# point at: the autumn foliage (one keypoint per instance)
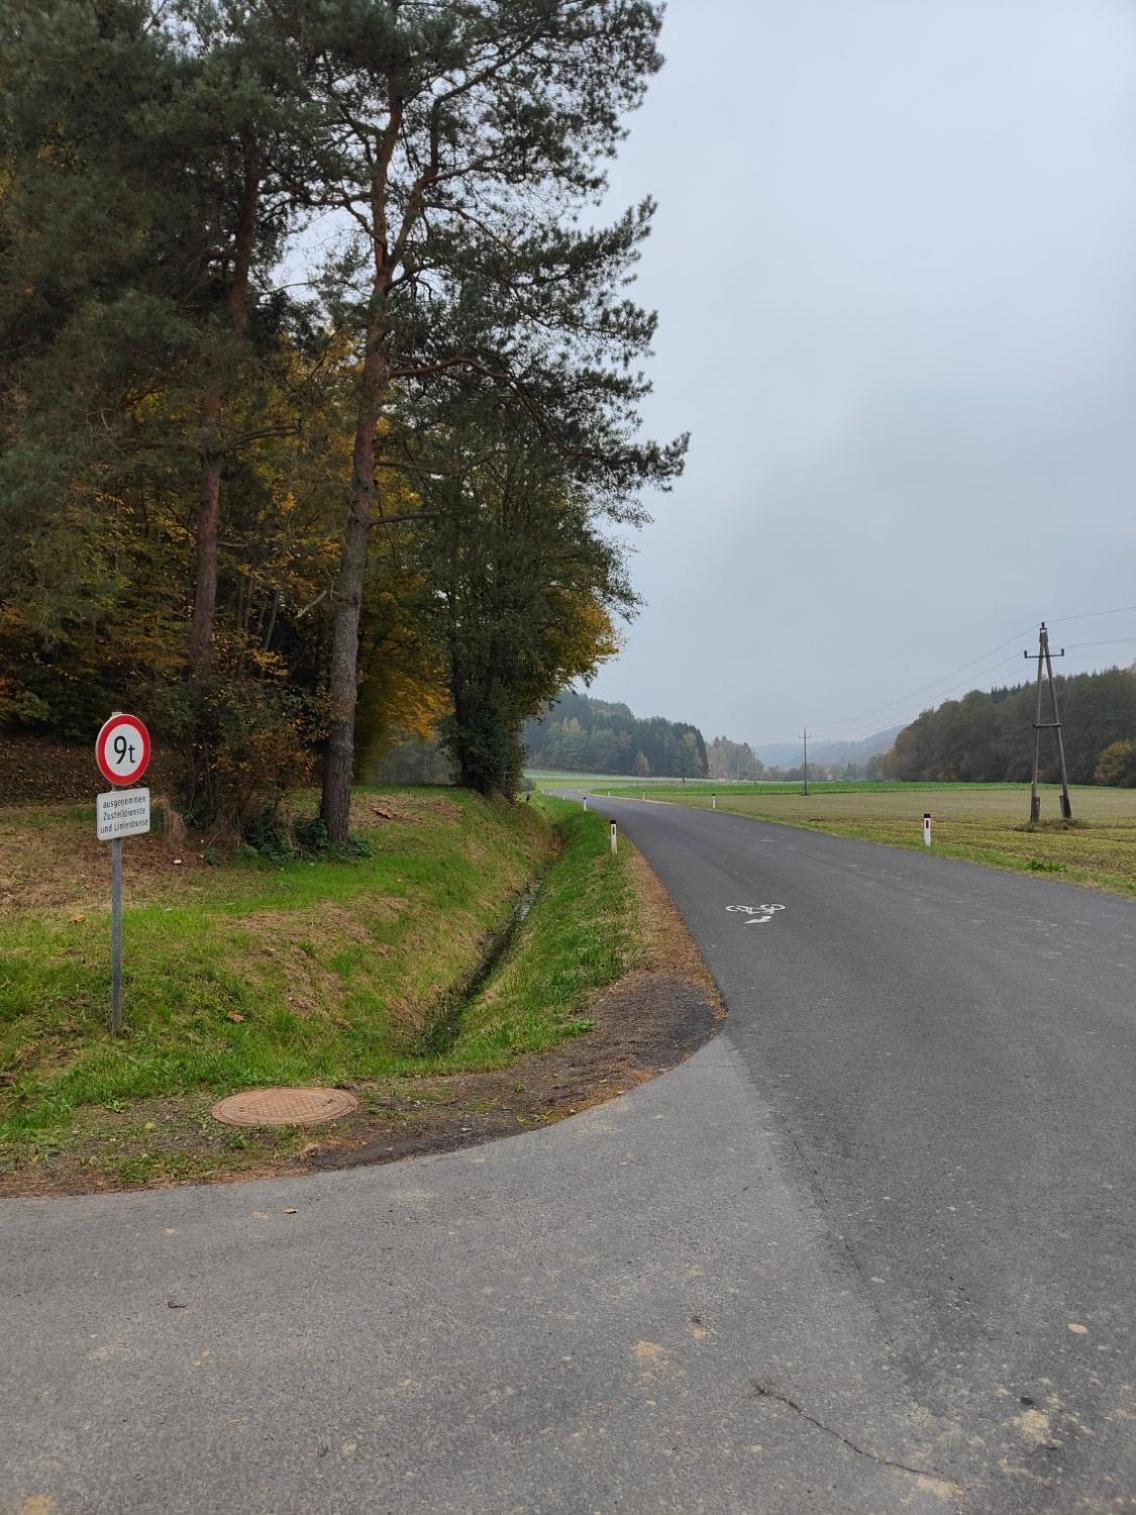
(310, 434)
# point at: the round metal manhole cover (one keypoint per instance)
(284, 1107)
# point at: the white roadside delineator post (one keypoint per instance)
(614, 839)
(926, 828)
(713, 802)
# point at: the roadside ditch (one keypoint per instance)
(591, 986)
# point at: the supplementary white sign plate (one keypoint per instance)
(123, 812)
(756, 915)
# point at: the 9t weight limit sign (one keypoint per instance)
(122, 750)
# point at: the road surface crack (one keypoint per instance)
(764, 1392)
(830, 1213)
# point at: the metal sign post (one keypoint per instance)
(122, 751)
(116, 936)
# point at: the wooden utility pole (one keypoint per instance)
(1045, 665)
(805, 769)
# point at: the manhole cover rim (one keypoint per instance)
(309, 1106)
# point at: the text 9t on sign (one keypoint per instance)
(122, 750)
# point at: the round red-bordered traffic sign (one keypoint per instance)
(122, 749)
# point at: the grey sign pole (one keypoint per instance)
(116, 936)
(122, 752)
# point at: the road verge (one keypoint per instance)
(596, 988)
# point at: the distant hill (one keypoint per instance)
(987, 736)
(827, 754)
(582, 735)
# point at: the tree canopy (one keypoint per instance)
(319, 379)
(988, 737)
(585, 735)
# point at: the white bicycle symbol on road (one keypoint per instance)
(759, 915)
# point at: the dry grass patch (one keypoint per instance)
(666, 944)
(50, 859)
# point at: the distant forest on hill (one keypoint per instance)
(579, 734)
(987, 737)
(583, 735)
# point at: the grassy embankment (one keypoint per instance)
(983, 823)
(248, 974)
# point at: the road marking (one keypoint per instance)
(759, 915)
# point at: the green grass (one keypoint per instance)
(260, 975)
(627, 784)
(986, 823)
(583, 932)
(550, 778)
(307, 972)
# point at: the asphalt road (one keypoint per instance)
(873, 1249)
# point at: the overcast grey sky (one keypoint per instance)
(895, 266)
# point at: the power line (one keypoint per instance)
(965, 684)
(1112, 642)
(1090, 615)
(855, 721)
(905, 699)
(858, 733)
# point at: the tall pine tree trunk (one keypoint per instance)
(343, 676)
(207, 527)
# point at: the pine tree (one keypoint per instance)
(461, 142)
(244, 117)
